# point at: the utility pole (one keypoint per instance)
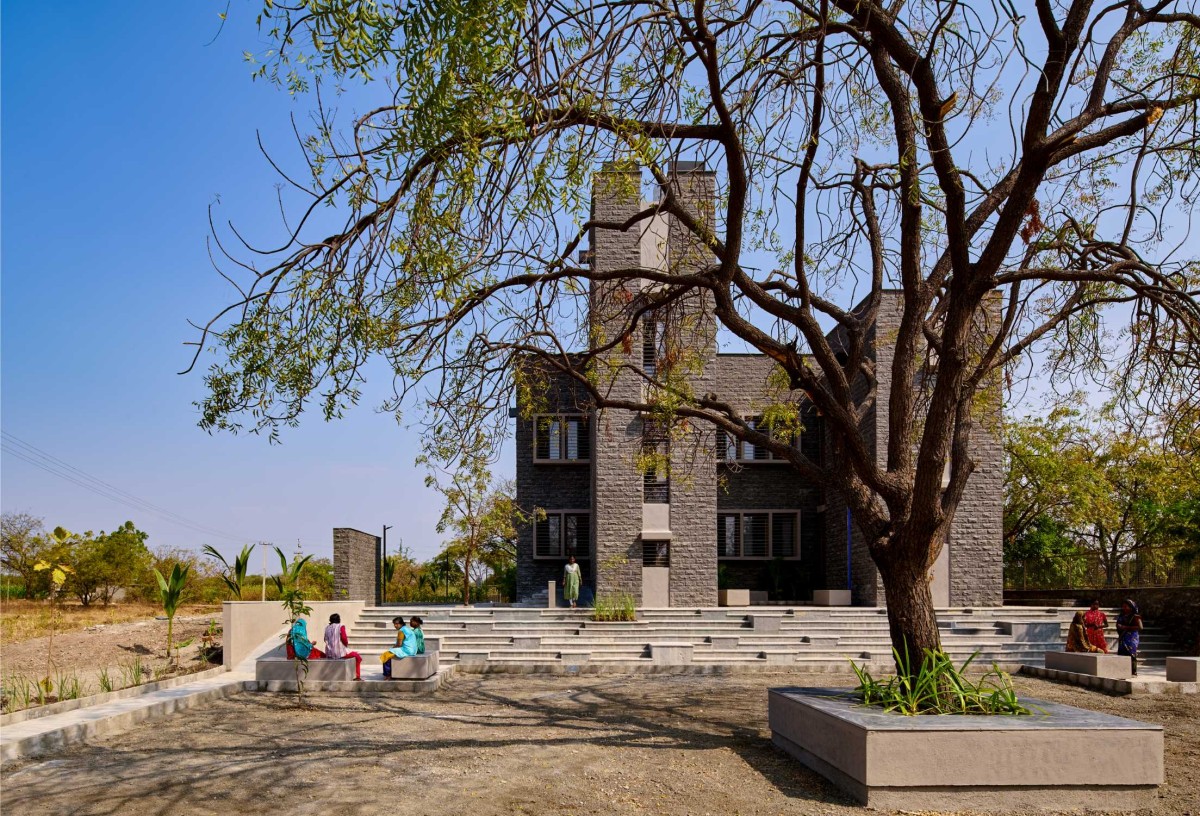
(383, 565)
(262, 545)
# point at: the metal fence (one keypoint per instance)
(1088, 571)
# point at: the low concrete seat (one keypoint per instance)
(1097, 664)
(282, 670)
(1183, 669)
(417, 667)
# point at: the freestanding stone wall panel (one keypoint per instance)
(355, 565)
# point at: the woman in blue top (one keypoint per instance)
(409, 641)
(1129, 632)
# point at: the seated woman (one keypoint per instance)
(410, 640)
(298, 646)
(337, 645)
(1077, 640)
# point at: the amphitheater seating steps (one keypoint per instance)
(524, 638)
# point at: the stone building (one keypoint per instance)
(723, 513)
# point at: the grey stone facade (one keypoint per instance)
(609, 486)
(355, 565)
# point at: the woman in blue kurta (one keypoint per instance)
(408, 643)
(1129, 632)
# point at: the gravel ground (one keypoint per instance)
(498, 745)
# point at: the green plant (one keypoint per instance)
(170, 590)
(19, 692)
(69, 686)
(292, 599)
(208, 642)
(106, 680)
(938, 687)
(131, 672)
(233, 576)
(617, 606)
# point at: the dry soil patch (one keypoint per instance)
(497, 745)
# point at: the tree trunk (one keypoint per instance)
(911, 618)
(467, 579)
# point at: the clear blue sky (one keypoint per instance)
(120, 127)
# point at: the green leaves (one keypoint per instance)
(938, 687)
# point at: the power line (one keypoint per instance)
(35, 456)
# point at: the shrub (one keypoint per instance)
(617, 606)
(939, 688)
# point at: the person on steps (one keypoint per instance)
(1077, 640)
(1129, 632)
(1095, 622)
(337, 645)
(571, 581)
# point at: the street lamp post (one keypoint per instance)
(383, 566)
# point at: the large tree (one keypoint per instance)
(1038, 169)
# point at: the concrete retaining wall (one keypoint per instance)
(247, 624)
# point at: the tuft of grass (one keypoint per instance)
(618, 606)
(939, 687)
(69, 685)
(106, 680)
(131, 672)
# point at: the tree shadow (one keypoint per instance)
(209, 758)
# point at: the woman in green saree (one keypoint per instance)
(571, 581)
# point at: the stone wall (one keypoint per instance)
(616, 481)
(355, 565)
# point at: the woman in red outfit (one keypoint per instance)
(337, 644)
(1094, 623)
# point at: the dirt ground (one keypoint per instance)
(499, 745)
(107, 646)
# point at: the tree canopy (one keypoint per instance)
(1024, 174)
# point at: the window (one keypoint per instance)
(653, 344)
(731, 449)
(656, 553)
(758, 534)
(562, 438)
(559, 535)
(656, 476)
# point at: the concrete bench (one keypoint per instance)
(1183, 669)
(282, 670)
(1115, 667)
(671, 653)
(417, 667)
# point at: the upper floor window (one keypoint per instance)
(563, 438)
(562, 534)
(653, 344)
(760, 534)
(732, 449)
(655, 465)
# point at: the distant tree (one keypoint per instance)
(481, 517)
(1099, 485)
(107, 562)
(24, 543)
(1024, 173)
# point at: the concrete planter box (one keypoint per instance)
(1183, 669)
(831, 597)
(960, 762)
(733, 597)
(1115, 667)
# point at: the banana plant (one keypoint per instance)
(233, 576)
(170, 591)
